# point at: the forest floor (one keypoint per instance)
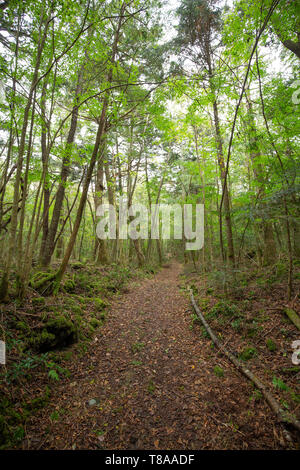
(149, 380)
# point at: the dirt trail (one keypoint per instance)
(152, 378)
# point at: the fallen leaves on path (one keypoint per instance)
(151, 382)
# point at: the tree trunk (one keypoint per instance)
(221, 163)
(14, 214)
(269, 251)
(49, 242)
(100, 252)
(99, 138)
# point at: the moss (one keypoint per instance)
(38, 301)
(57, 333)
(38, 402)
(218, 371)
(271, 345)
(69, 285)
(253, 330)
(12, 422)
(79, 298)
(99, 304)
(76, 309)
(95, 323)
(293, 316)
(248, 353)
(69, 301)
(22, 326)
(42, 280)
(77, 265)
(43, 341)
(102, 316)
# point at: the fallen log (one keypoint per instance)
(293, 316)
(283, 416)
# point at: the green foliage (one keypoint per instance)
(117, 277)
(136, 363)
(100, 304)
(204, 332)
(38, 301)
(278, 383)
(195, 319)
(218, 371)
(95, 322)
(69, 284)
(236, 324)
(225, 309)
(271, 345)
(256, 396)
(137, 346)
(253, 329)
(13, 417)
(54, 416)
(248, 353)
(151, 387)
(23, 367)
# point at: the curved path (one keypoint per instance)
(152, 384)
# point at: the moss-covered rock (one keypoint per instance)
(41, 282)
(77, 265)
(69, 285)
(57, 333)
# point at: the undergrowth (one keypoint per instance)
(40, 332)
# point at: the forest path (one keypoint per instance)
(151, 378)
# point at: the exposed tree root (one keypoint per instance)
(282, 416)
